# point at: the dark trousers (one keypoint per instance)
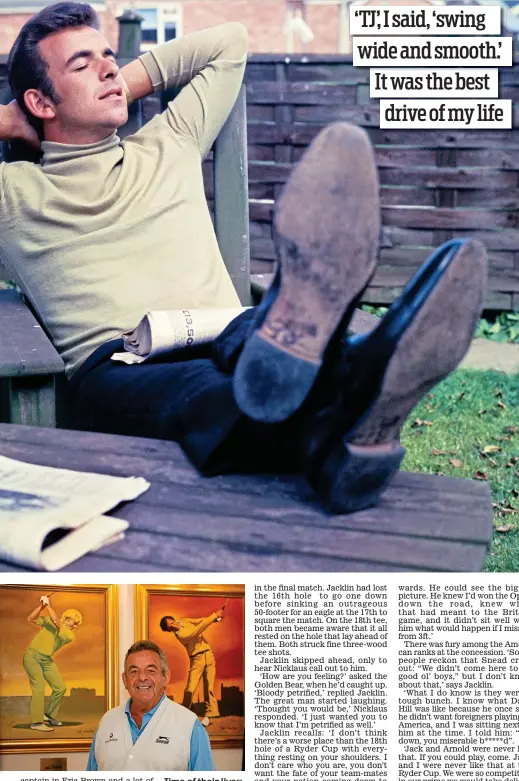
(186, 396)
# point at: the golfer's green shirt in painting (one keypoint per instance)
(50, 639)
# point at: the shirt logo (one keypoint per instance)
(111, 739)
(162, 739)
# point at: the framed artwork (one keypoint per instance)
(205, 651)
(58, 665)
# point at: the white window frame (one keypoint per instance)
(166, 12)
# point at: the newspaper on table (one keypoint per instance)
(50, 517)
(161, 331)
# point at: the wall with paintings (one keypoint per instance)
(91, 671)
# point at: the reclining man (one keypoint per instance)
(103, 231)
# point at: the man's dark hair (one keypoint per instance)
(26, 68)
(148, 645)
(164, 623)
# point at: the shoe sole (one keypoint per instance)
(324, 267)
(353, 477)
(432, 346)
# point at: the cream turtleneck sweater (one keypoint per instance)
(99, 234)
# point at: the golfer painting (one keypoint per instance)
(202, 665)
(39, 663)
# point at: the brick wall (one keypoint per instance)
(11, 24)
(264, 20)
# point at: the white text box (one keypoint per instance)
(443, 51)
(444, 114)
(457, 20)
(433, 83)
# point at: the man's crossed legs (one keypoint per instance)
(285, 387)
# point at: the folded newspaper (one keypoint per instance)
(50, 517)
(161, 331)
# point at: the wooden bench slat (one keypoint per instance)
(108, 446)
(171, 553)
(268, 523)
(24, 347)
(261, 537)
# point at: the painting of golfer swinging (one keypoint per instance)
(57, 665)
(201, 630)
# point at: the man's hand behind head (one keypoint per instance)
(19, 127)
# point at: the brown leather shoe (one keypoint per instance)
(327, 225)
(422, 338)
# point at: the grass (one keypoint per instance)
(468, 427)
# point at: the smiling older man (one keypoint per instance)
(149, 732)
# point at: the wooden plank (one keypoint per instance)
(507, 159)
(271, 549)
(454, 219)
(25, 349)
(396, 514)
(261, 210)
(492, 146)
(391, 276)
(263, 172)
(231, 194)
(261, 230)
(263, 249)
(492, 199)
(260, 113)
(386, 295)
(262, 135)
(284, 113)
(260, 267)
(262, 151)
(509, 75)
(93, 562)
(271, 173)
(169, 456)
(394, 236)
(33, 400)
(341, 72)
(459, 178)
(509, 91)
(182, 494)
(257, 71)
(261, 191)
(300, 94)
(365, 116)
(415, 256)
(466, 139)
(394, 157)
(302, 132)
(264, 132)
(401, 196)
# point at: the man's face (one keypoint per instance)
(143, 678)
(172, 625)
(70, 623)
(86, 78)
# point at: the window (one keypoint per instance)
(160, 23)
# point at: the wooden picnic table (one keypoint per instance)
(262, 523)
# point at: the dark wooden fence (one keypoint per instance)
(435, 185)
